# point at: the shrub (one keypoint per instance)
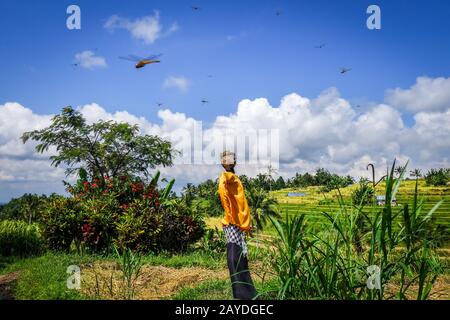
(125, 212)
(18, 238)
(364, 194)
(214, 241)
(262, 206)
(27, 208)
(138, 227)
(179, 228)
(437, 177)
(99, 215)
(62, 223)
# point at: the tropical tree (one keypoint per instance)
(262, 206)
(280, 183)
(398, 170)
(26, 208)
(416, 173)
(364, 194)
(103, 149)
(437, 177)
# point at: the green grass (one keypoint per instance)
(190, 259)
(44, 277)
(221, 290)
(208, 290)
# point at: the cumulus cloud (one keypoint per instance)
(427, 94)
(180, 83)
(14, 121)
(148, 28)
(321, 132)
(88, 60)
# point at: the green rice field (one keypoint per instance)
(315, 202)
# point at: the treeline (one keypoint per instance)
(322, 177)
(438, 177)
(203, 198)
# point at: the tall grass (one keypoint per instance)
(384, 254)
(131, 265)
(18, 238)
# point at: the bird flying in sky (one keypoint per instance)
(345, 70)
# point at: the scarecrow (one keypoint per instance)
(236, 224)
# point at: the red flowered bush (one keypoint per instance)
(122, 211)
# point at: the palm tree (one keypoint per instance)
(416, 173)
(262, 206)
(188, 192)
(398, 170)
(271, 170)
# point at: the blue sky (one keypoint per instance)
(251, 52)
(270, 56)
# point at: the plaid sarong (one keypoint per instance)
(235, 235)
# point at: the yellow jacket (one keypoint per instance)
(233, 200)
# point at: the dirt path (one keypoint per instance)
(7, 283)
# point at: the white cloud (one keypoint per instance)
(427, 94)
(321, 132)
(88, 60)
(148, 28)
(180, 83)
(14, 121)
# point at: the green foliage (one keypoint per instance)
(126, 212)
(99, 216)
(203, 198)
(138, 227)
(302, 180)
(101, 149)
(262, 206)
(279, 183)
(130, 264)
(18, 238)
(437, 177)
(62, 223)
(364, 194)
(287, 255)
(322, 177)
(26, 208)
(416, 173)
(180, 227)
(214, 241)
(335, 263)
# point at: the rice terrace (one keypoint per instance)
(264, 152)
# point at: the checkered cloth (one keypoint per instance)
(235, 235)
